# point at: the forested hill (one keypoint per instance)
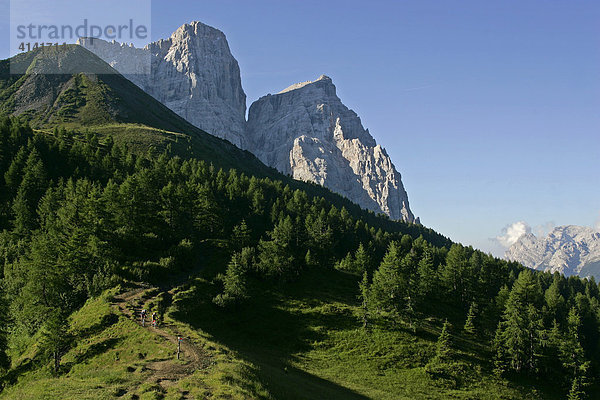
(80, 216)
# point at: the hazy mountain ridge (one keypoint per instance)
(570, 250)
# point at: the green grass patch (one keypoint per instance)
(306, 342)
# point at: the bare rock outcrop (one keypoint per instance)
(305, 131)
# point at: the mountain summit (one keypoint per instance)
(304, 131)
(307, 132)
(570, 250)
(192, 72)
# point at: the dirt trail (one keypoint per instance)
(165, 372)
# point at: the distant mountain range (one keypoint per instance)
(570, 250)
(304, 131)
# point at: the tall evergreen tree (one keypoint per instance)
(572, 354)
(364, 300)
(454, 273)
(362, 260)
(469, 327)
(576, 392)
(443, 348)
(428, 276)
(520, 333)
(56, 338)
(387, 288)
(241, 236)
(234, 282)
(554, 299)
(30, 191)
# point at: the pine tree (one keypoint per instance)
(406, 244)
(24, 217)
(454, 273)
(571, 353)
(410, 288)
(310, 260)
(554, 300)
(364, 299)
(428, 277)
(277, 257)
(55, 337)
(500, 357)
(346, 263)
(14, 174)
(535, 337)
(552, 365)
(235, 287)
(443, 349)
(386, 289)
(29, 193)
(469, 327)
(362, 260)
(241, 235)
(443, 366)
(320, 236)
(520, 331)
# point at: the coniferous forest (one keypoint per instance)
(80, 216)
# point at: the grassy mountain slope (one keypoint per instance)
(304, 342)
(106, 103)
(115, 357)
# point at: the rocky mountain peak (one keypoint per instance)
(324, 80)
(193, 73)
(306, 131)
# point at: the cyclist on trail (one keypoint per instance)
(154, 319)
(143, 317)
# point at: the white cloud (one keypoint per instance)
(511, 233)
(543, 229)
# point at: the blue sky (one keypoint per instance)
(489, 109)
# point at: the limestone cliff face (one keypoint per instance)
(192, 72)
(307, 132)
